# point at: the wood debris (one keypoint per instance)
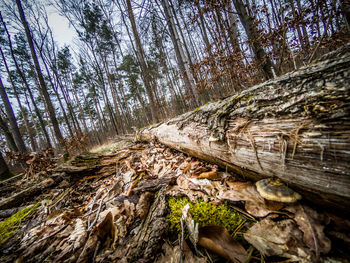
(114, 208)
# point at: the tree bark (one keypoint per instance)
(182, 61)
(12, 119)
(21, 74)
(25, 120)
(266, 64)
(51, 109)
(11, 144)
(295, 127)
(4, 170)
(144, 67)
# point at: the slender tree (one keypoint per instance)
(12, 119)
(40, 76)
(249, 25)
(145, 70)
(24, 79)
(9, 138)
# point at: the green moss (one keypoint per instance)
(139, 178)
(196, 109)
(11, 224)
(203, 213)
(87, 159)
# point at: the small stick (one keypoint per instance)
(181, 241)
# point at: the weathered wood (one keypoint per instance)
(20, 197)
(295, 127)
(144, 245)
(9, 212)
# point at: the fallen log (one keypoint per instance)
(295, 127)
(19, 198)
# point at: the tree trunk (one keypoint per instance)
(11, 144)
(21, 74)
(295, 127)
(25, 120)
(4, 170)
(12, 119)
(144, 67)
(259, 52)
(182, 61)
(51, 109)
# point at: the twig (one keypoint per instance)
(96, 250)
(319, 43)
(249, 255)
(92, 206)
(181, 240)
(243, 212)
(238, 228)
(98, 213)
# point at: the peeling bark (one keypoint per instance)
(295, 127)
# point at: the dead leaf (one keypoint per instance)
(172, 254)
(212, 175)
(176, 191)
(312, 225)
(281, 238)
(188, 167)
(144, 204)
(218, 240)
(254, 203)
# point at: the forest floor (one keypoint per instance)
(127, 202)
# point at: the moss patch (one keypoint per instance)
(11, 224)
(203, 213)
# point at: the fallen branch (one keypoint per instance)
(300, 119)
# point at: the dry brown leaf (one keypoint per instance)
(212, 175)
(312, 225)
(282, 238)
(186, 184)
(238, 185)
(176, 191)
(188, 167)
(254, 203)
(218, 240)
(172, 254)
(144, 204)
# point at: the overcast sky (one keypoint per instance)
(63, 33)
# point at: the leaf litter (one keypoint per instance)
(114, 207)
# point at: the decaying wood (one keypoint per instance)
(295, 127)
(20, 197)
(144, 245)
(8, 212)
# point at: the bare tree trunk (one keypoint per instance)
(4, 170)
(25, 120)
(182, 61)
(248, 23)
(70, 131)
(143, 64)
(12, 119)
(43, 87)
(20, 72)
(11, 144)
(41, 142)
(300, 135)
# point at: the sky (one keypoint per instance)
(63, 33)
